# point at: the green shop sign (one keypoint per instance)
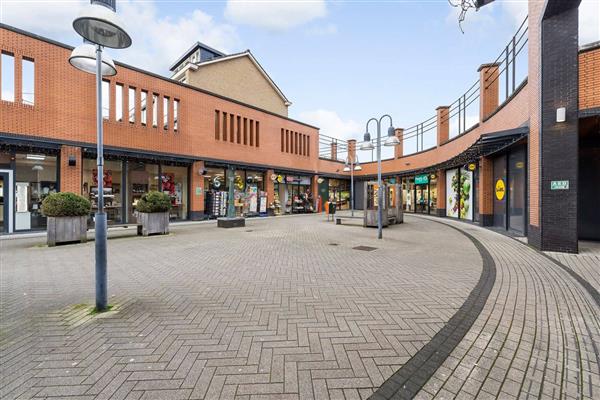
(422, 179)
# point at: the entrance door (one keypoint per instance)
(6, 195)
(421, 198)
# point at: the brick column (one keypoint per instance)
(352, 150)
(486, 192)
(399, 150)
(443, 124)
(70, 176)
(269, 186)
(334, 150)
(441, 193)
(18, 84)
(197, 191)
(489, 82)
(314, 188)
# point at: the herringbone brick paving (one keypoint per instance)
(270, 311)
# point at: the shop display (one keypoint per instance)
(459, 193)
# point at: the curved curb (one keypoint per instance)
(412, 376)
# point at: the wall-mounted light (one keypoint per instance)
(72, 161)
(561, 114)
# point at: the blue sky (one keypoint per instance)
(339, 62)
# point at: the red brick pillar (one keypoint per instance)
(399, 149)
(489, 82)
(486, 191)
(197, 191)
(269, 186)
(352, 150)
(441, 193)
(70, 175)
(334, 150)
(315, 191)
(443, 124)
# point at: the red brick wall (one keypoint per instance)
(486, 186)
(70, 176)
(589, 79)
(197, 181)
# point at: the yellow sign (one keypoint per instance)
(500, 189)
(472, 166)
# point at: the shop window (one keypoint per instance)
(27, 81)
(176, 115)
(113, 191)
(141, 178)
(308, 146)
(175, 184)
(119, 102)
(143, 106)
(295, 142)
(257, 135)
(131, 104)
(217, 127)
(35, 178)
(165, 113)
(231, 127)
(239, 129)
(154, 110)
(287, 141)
(105, 99)
(8, 77)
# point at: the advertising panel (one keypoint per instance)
(466, 194)
(452, 198)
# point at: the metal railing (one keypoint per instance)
(327, 144)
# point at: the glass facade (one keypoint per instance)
(339, 192)
(175, 184)
(141, 178)
(35, 178)
(419, 193)
(113, 189)
(298, 194)
(248, 185)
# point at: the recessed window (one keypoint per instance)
(154, 110)
(217, 124)
(119, 102)
(27, 81)
(8, 77)
(165, 113)
(175, 114)
(105, 99)
(257, 134)
(143, 106)
(131, 104)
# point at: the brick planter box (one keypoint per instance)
(66, 230)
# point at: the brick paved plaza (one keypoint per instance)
(287, 309)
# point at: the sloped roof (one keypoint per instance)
(195, 46)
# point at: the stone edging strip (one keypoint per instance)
(412, 376)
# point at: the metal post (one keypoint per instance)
(100, 220)
(379, 189)
(231, 194)
(352, 186)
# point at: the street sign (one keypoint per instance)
(559, 185)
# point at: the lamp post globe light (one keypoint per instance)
(391, 140)
(99, 25)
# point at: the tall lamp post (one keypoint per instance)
(100, 27)
(391, 140)
(352, 165)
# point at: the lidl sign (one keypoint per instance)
(422, 179)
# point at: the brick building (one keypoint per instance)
(501, 158)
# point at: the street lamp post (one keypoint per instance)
(391, 140)
(352, 165)
(99, 24)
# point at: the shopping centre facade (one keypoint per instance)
(529, 165)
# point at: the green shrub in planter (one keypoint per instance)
(65, 204)
(154, 202)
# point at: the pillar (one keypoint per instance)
(197, 191)
(71, 175)
(352, 150)
(443, 124)
(269, 187)
(441, 193)
(489, 83)
(399, 149)
(334, 150)
(486, 190)
(314, 188)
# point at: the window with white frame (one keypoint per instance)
(175, 114)
(165, 112)
(119, 102)
(105, 99)
(143, 106)
(28, 81)
(154, 110)
(131, 104)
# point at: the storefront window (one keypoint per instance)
(215, 192)
(459, 193)
(254, 194)
(298, 194)
(141, 178)
(175, 184)
(113, 194)
(408, 187)
(516, 184)
(433, 195)
(339, 192)
(35, 178)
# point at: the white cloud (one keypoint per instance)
(275, 15)
(589, 21)
(158, 40)
(322, 30)
(331, 124)
(516, 9)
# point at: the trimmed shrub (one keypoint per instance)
(153, 202)
(65, 204)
